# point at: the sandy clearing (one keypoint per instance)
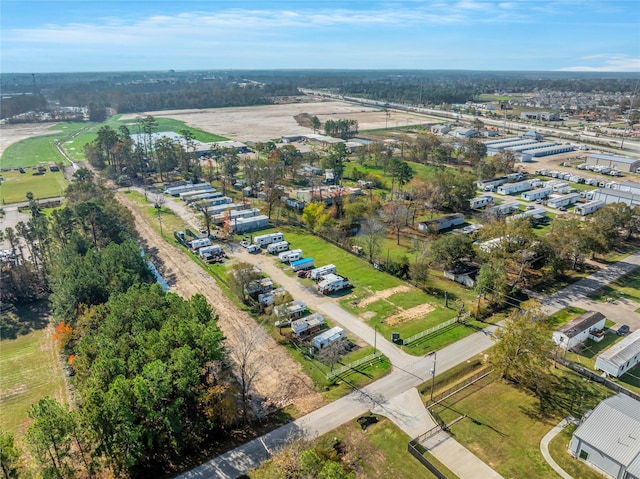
(267, 122)
(10, 134)
(384, 294)
(410, 314)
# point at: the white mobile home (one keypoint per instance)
(588, 208)
(512, 188)
(505, 208)
(278, 247)
(580, 329)
(564, 200)
(332, 282)
(289, 256)
(441, 223)
(233, 215)
(306, 326)
(176, 190)
(318, 273)
(327, 338)
(620, 357)
(186, 195)
(539, 194)
(196, 244)
(244, 225)
(304, 263)
(269, 238)
(480, 201)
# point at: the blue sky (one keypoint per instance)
(81, 35)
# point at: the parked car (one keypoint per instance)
(253, 248)
(244, 243)
(622, 330)
(562, 208)
(302, 273)
(530, 207)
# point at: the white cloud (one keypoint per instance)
(606, 62)
(243, 23)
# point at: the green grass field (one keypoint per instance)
(29, 371)
(15, 185)
(169, 124)
(503, 424)
(40, 149)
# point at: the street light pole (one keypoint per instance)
(433, 373)
(375, 337)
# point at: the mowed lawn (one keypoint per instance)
(40, 149)
(15, 185)
(29, 371)
(503, 424)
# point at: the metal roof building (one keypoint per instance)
(619, 162)
(609, 438)
(609, 195)
(621, 357)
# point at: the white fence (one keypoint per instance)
(429, 331)
(368, 359)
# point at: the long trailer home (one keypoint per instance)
(442, 223)
(589, 208)
(176, 190)
(480, 201)
(254, 223)
(512, 188)
(537, 194)
(564, 200)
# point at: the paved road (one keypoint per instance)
(238, 461)
(577, 292)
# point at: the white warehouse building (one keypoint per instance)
(620, 357)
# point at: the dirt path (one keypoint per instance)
(281, 381)
(384, 294)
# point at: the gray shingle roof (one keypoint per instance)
(620, 353)
(581, 323)
(614, 429)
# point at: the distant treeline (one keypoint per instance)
(21, 104)
(127, 92)
(167, 95)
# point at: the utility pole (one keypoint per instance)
(433, 372)
(375, 337)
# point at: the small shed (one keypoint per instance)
(580, 329)
(463, 273)
(620, 357)
(327, 338)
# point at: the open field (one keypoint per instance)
(10, 134)
(39, 149)
(29, 371)
(503, 424)
(15, 185)
(262, 123)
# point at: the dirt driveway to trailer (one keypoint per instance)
(10, 134)
(268, 122)
(281, 381)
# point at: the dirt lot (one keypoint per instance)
(281, 381)
(260, 123)
(10, 134)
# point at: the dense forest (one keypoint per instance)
(149, 380)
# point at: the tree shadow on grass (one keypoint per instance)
(24, 318)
